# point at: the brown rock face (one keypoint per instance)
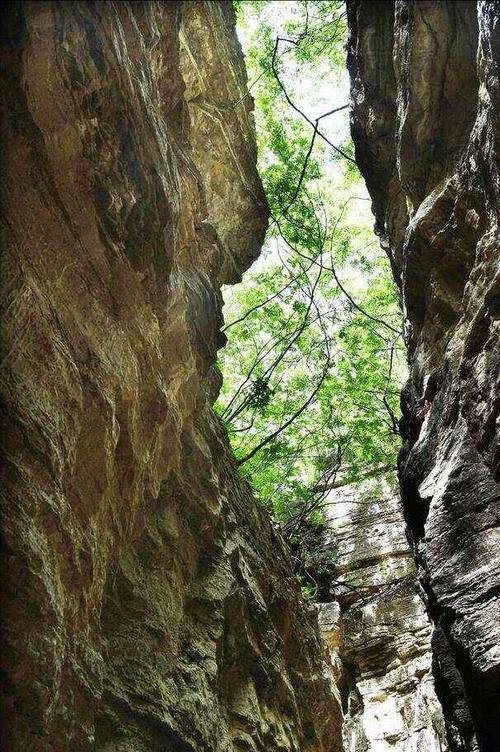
(426, 124)
(147, 602)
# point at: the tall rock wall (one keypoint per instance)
(147, 603)
(377, 627)
(425, 84)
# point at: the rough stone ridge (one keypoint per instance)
(377, 627)
(147, 602)
(425, 83)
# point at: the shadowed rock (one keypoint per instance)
(425, 122)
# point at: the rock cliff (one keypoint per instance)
(147, 602)
(425, 84)
(377, 627)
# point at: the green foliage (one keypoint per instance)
(300, 346)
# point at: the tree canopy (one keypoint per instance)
(315, 356)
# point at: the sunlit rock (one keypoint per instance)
(377, 628)
(147, 604)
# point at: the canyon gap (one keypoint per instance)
(148, 604)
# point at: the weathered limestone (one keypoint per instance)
(147, 604)
(378, 629)
(425, 81)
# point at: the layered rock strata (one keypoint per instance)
(425, 83)
(378, 629)
(147, 603)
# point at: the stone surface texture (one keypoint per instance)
(147, 602)
(377, 627)
(425, 84)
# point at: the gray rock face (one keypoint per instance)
(378, 629)
(425, 82)
(147, 604)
